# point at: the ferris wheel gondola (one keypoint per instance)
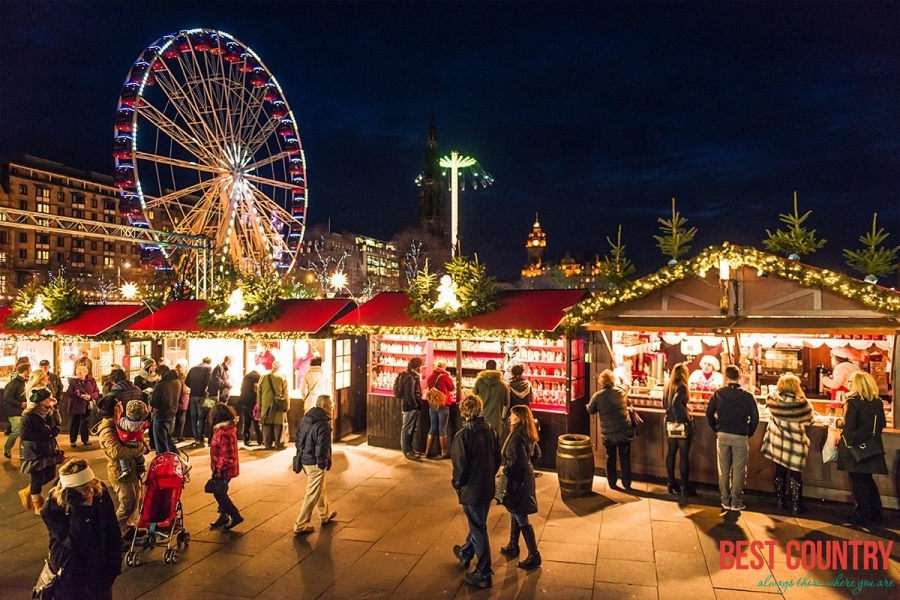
(205, 144)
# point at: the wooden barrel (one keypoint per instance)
(575, 464)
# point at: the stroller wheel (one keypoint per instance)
(174, 556)
(129, 558)
(167, 557)
(137, 559)
(187, 539)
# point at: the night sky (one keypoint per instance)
(592, 114)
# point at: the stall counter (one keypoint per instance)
(820, 480)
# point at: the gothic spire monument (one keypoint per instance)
(431, 197)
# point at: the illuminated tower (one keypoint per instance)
(537, 243)
(431, 198)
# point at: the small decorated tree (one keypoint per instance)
(39, 306)
(874, 259)
(676, 238)
(463, 291)
(616, 268)
(796, 240)
(249, 301)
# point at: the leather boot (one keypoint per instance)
(38, 502)
(779, 491)
(796, 497)
(428, 442)
(511, 550)
(25, 497)
(534, 557)
(445, 446)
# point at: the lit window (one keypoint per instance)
(43, 208)
(342, 365)
(42, 257)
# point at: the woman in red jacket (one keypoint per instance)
(439, 415)
(223, 460)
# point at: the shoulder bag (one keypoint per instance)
(43, 589)
(501, 488)
(279, 403)
(676, 431)
(867, 449)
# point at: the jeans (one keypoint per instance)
(198, 417)
(624, 451)
(439, 418)
(14, 427)
(315, 496)
(477, 542)
(732, 452)
(226, 506)
(683, 447)
(79, 425)
(409, 428)
(162, 432)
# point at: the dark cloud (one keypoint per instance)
(592, 114)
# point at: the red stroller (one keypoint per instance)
(162, 518)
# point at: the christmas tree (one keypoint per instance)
(676, 239)
(796, 240)
(874, 259)
(616, 268)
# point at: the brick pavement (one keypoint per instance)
(397, 522)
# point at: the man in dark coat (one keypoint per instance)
(476, 458)
(164, 402)
(197, 380)
(733, 415)
(408, 388)
(220, 382)
(246, 403)
(314, 447)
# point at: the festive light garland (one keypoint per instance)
(241, 334)
(876, 297)
(448, 333)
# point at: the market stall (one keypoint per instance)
(94, 332)
(522, 330)
(300, 333)
(768, 315)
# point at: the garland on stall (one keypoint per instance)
(250, 301)
(465, 290)
(40, 306)
(878, 298)
(448, 333)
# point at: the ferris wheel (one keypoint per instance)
(205, 144)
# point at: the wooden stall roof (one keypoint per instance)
(179, 318)
(808, 325)
(91, 322)
(533, 310)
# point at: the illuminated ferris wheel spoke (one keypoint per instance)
(175, 162)
(187, 111)
(177, 195)
(185, 139)
(266, 161)
(272, 182)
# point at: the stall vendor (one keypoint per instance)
(707, 378)
(842, 367)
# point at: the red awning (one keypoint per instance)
(536, 310)
(92, 321)
(297, 316)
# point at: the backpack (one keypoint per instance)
(398, 383)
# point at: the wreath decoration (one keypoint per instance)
(251, 301)
(41, 306)
(464, 290)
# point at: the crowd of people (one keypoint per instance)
(498, 435)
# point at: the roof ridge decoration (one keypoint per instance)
(873, 296)
(39, 306)
(465, 290)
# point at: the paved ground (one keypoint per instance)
(397, 522)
